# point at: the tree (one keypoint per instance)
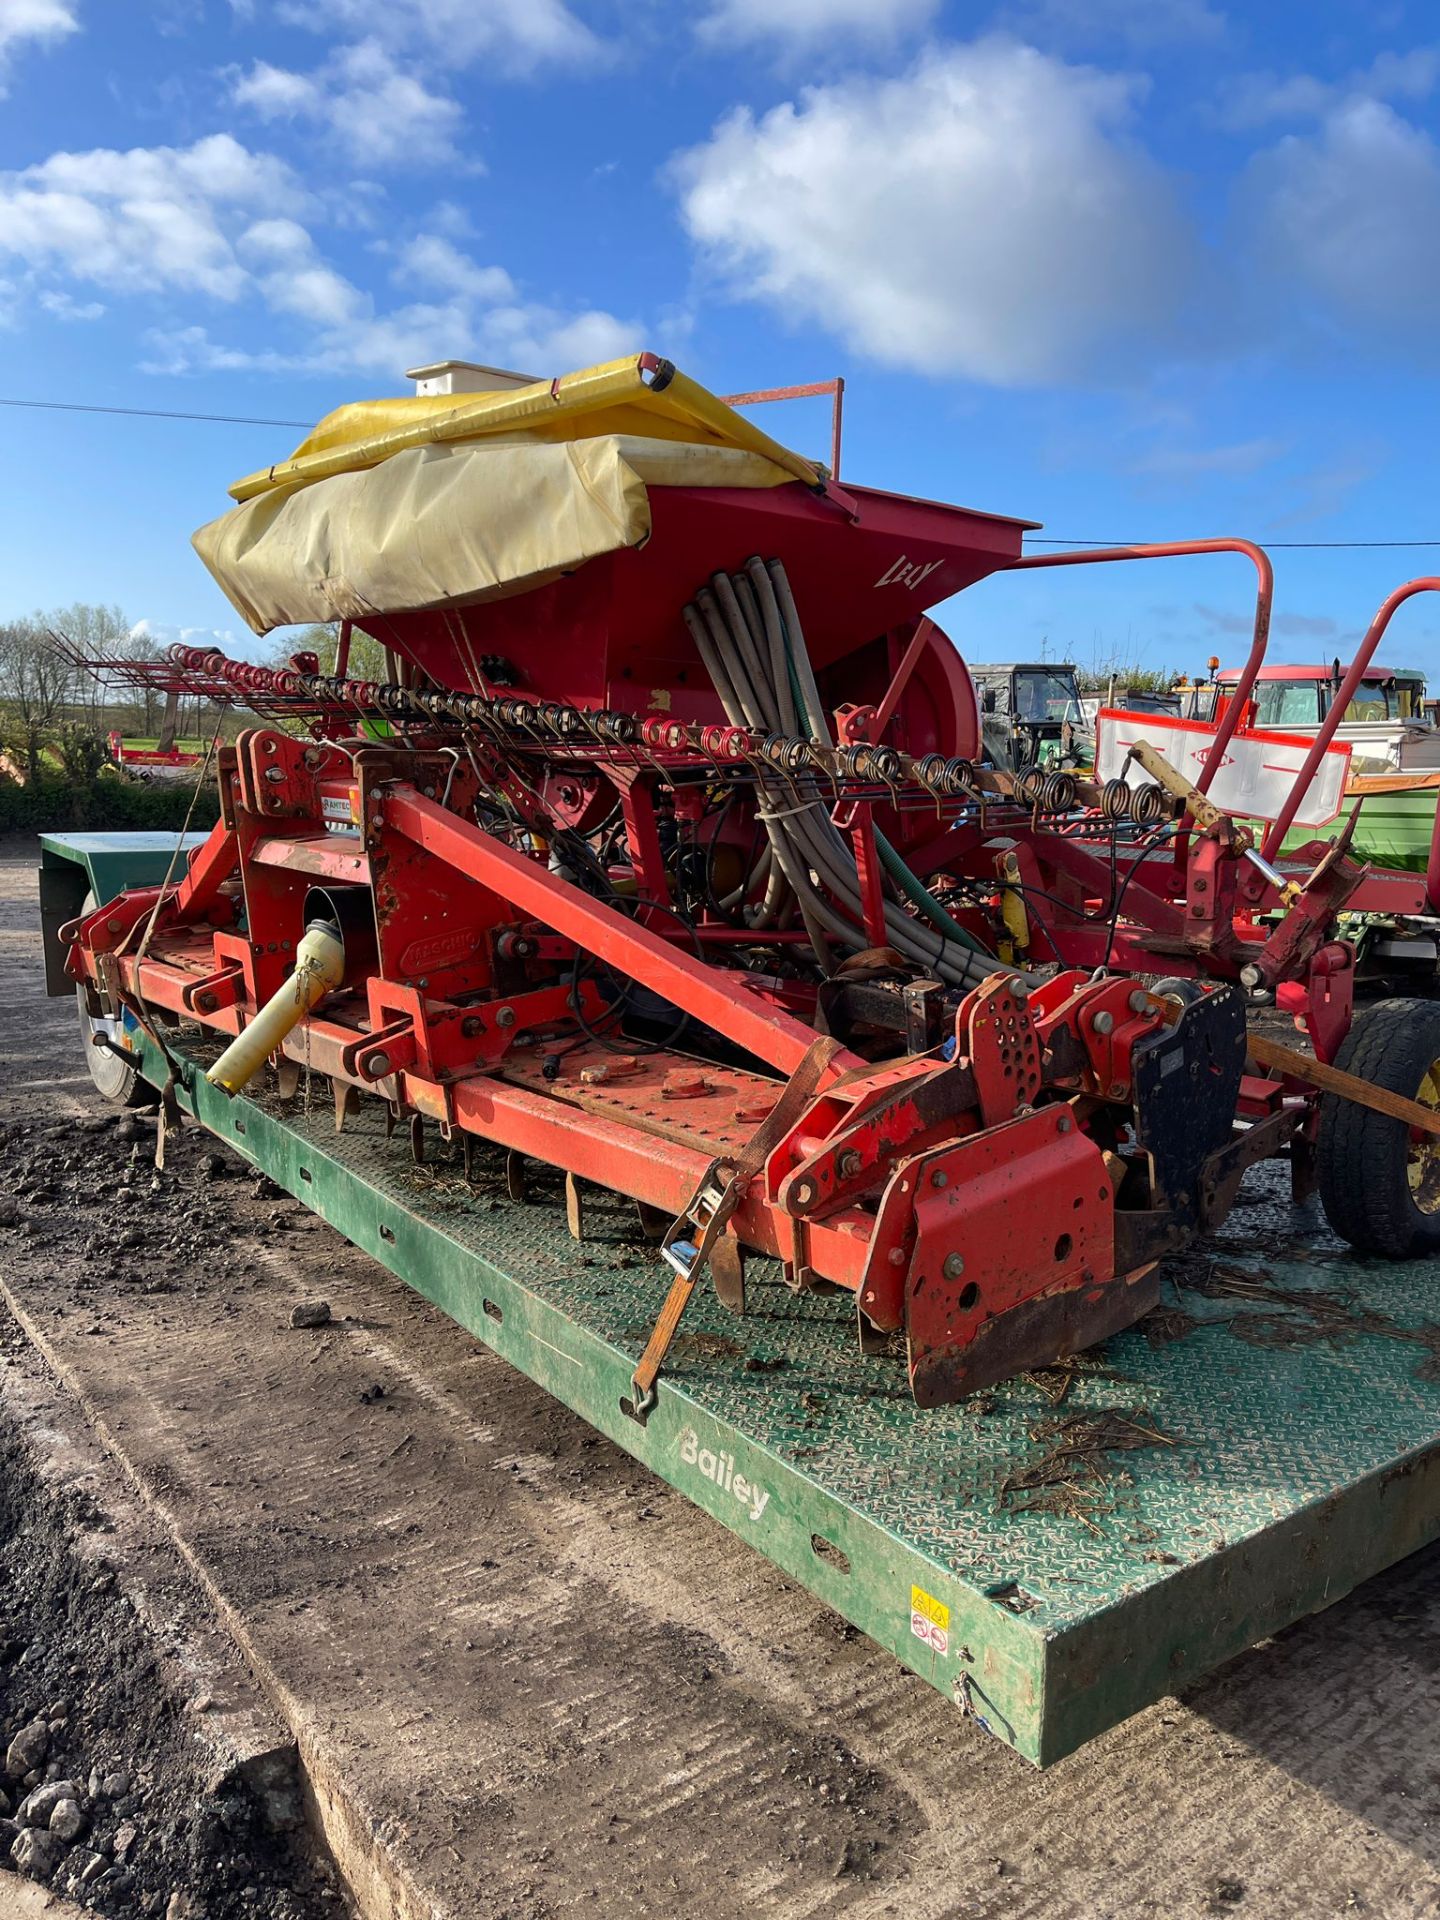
(98, 632)
(35, 683)
(367, 656)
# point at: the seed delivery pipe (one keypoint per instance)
(745, 624)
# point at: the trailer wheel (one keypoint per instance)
(1379, 1180)
(114, 1078)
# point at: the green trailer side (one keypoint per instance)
(1283, 1449)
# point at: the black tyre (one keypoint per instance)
(114, 1078)
(1379, 1180)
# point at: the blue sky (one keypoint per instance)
(1141, 269)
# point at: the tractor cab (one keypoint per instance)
(1031, 716)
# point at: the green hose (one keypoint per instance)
(920, 896)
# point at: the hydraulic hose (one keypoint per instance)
(749, 638)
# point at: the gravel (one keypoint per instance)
(118, 1800)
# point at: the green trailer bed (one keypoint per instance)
(1054, 1555)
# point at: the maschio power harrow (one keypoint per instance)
(662, 852)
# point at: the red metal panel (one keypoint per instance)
(1018, 1212)
(721, 1000)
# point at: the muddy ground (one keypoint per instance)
(573, 1726)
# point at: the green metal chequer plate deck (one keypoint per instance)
(1304, 1432)
(1298, 1467)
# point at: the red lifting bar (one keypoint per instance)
(1179, 549)
(1427, 584)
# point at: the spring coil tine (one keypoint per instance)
(1115, 799)
(1060, 792)
(1149, 805)
(959, 779)
(886, 764)
(1031, 786)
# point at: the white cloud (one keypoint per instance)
(275, 93)
(218, 221)
(1349, 217)
(1147, 24)
(162, 633)
(380, 113)
(1192, 463)
(518, 35)
(433, 261)
(152, 218)
(982, 215)
(813, 25)
(1257, 99)
(41, 21)
(527, 336)
(61, 306)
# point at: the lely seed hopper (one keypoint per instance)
(659, 851)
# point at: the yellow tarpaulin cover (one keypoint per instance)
(394, 506)
(444, 526)
(641, 396)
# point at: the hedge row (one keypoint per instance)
(109, 804)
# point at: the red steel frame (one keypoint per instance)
(456, 1008)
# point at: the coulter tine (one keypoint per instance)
(727, 1264)
(347, 1102)
(574, 1207)
(654, 1221)
(516, 1184)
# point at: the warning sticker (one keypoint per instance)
(930, 1620)
(935, 1611)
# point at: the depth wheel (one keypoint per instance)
(115, 1079)
(1379, 1180)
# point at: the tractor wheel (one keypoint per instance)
(1379, 1180)
(114, 1078)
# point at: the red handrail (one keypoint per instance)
(1428, 583)
(1176, 549)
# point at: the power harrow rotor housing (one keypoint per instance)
(679, 872)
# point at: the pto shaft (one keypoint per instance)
(319, 966)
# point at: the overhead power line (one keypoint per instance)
(1276, 545)
(248, 420)
(154, 413)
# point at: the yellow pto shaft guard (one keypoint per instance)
(319, 966)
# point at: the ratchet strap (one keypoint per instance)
(1364, 1093)
(692, 1235)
